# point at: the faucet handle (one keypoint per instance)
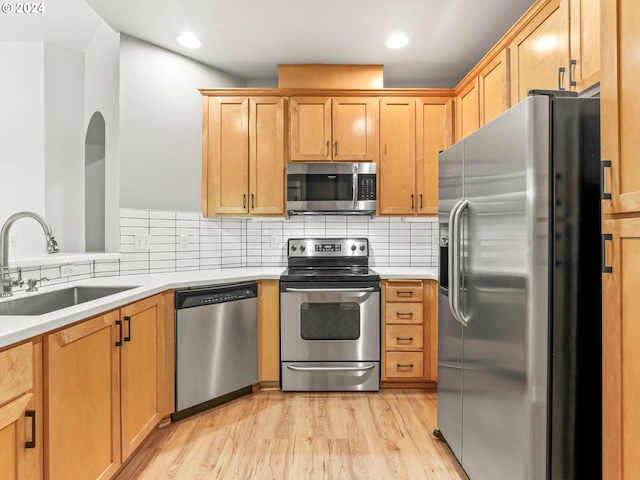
(18, 281)
(33, 282)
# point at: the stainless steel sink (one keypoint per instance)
(41, 303)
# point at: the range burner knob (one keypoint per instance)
(353, 248)
(293, 248)
(302, 248)
(362, 248)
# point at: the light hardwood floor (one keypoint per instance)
(299, 436)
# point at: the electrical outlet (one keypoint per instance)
(66, 270)
(13, 240)
(142, 242)
(183, 242)
(273, 241)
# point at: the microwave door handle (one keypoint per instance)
(354, 188)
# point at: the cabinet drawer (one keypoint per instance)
(16, 365)
(404, 364)
(403, 313)
(404, 291)
(404, 337)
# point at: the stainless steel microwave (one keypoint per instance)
(331, 188)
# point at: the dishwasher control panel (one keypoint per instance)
(213, 295)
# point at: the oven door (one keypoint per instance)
(330, 322)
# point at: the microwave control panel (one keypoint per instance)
(366, 186)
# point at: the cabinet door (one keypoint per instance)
(139, 371)
(310, 129)
(584, 16)
(269, 333)
(494, 88)
(225, 175)
(620, 104)
(353, 127)
(431, 138)
(267, 155)
(468, 110)
(620, 352)
(397, 194)
(14, 424)
(82, 394)
(539, 51)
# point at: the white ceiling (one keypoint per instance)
(249, 38)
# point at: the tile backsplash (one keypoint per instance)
(180, 241)
(153, 241)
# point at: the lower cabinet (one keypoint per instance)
(104, 388)
(20, 413)
(409, 334)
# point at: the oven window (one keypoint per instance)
(330, 321)
(319, 187)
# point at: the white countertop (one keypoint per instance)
(14, 329)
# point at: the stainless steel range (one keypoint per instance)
(329, 316)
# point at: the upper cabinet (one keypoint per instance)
(539, 52)
(333, 129)
(584, 65)
(244, 151)
(412, 131)
(620, 103)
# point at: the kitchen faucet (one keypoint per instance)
(9, 282)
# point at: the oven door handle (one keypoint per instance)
(330, 369)
(330, 290)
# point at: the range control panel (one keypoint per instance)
(328, 247)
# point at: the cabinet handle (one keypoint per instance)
(404, 339)
(336, 148)
(604, 164)
(253, 203)
(561, 71)
(244, 200)
(404, 314)
(119, 342)
(572, 67)
(412, 203)
(605, 268)
(420, 201)
(128, 337)
(402, 292)
(328, 148)
(32, 415)
(405, 365)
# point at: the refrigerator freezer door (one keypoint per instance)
(450, 191)
(505, 295)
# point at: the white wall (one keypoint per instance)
(64, 145)
(161, 126)
(22, 126)
(101, 85)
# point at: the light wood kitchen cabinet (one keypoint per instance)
(269, 333)
(103, 388)
(409, 334)
(483, 96)
(244, 151)
(540, 51)
(412, 131)
(333, 129)
(584, 28)
(620, 103)
(620, 353)
(21, 412)
(468, 109)
(493, 88)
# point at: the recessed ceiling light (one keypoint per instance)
(396, 41)
(188, 40)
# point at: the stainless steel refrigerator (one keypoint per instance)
(519, 304)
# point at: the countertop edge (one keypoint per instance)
(17, 329)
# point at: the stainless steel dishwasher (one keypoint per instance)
(216, 345)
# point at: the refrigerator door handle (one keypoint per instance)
(455, 246)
